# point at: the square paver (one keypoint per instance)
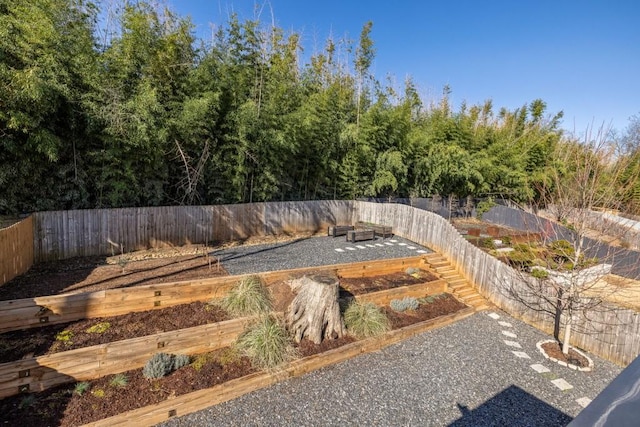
(401, 244)
(411, 247)
(388, 244)
(393, 241)
(339, 250)
(509, 334)
(512, 344)
(583, 401)
(361, 247)
(562, 384)
(421, 251)
(494, 316)
(541, 369)
(521, 354)
(351, 248)
(505, 324)
(370, 246)
(379, 244)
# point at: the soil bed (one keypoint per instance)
(553, 349)
(84, 333)
(62, 406)
(363, 285)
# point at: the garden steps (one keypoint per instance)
(457, 284)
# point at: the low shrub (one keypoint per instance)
(160, 365)
(65, 337)
(99, 328)
(364, 320)
(539, 273)
(81, 388)
(249, 297)
(488, 243)
(119, 380)
(562, 251)
(506, 240)
(180, 361)
(266, 343)
(404, 304)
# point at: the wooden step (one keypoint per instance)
(466, 292)
(456, 282)
(450, 275)
(439, 263)
(473, 300)
(458, 287)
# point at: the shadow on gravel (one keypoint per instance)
(230, 254)
(512, 407)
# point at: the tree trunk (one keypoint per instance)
(315, 313)
(567, 335)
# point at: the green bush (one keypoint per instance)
(539, 273)
(562, 251)
(364, 320)
(506, 240)
(484, 206)
(249, 297)
(160, 365)
(266, 343)
(488, 243)
(404, 304)
(180, 361)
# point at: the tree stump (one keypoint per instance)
(315, 312)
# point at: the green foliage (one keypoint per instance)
(99, 393)
(27, 402)
(160, 365)
(488, 243)
(484, 206)
(249, 297)
(539, 273)
(81, 388)
(119, 380)
(180, 361)
(99, 328)
(266, 343)
(364, 320)
(562, 251)
(404, 304)
(65, 337)
(506, 240)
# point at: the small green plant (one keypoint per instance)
(99, 328)
(484, 207)
(81, 388)
(539, 273)
(119, 380)
(488, 243)
(404, 304)
(180, 361)
(65, 337)
(562, 251)
(201, 360)
(27, 401)
(364, 320)
(160, 365)
(228, 356)
(249, 297)
(506, 240)
(99, 393)
(266, 343)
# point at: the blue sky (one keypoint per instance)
(581, 57)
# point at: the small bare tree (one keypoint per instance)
(564, 277)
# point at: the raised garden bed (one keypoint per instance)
(209, 380)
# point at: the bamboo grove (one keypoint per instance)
(119, 104)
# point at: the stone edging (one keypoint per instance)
(563, 363)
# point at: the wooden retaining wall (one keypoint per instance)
(43, 372)
(67, 234)
(35, 312)
(612, 333)
(16, 249)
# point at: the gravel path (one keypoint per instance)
(312, 252)
(462, 375)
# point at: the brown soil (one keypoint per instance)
(554, 350)
(62, 406)
(362, 285)
(36, 342)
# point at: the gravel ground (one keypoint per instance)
(312, 252)
(462, 375)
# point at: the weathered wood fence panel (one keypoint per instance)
(67, 234)
(611, 333)
(16, 249)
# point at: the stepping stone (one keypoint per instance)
(583, 401)
(421, 251)
(349, 248)
(505, 324)
(411, 247)
(339, 250)
(388, 244)
(370, 246)
(509, 334)
(401, 244)
(379, 244)
(512, 344)
(361, 247)
(562, 384)
(394, 241)
(521, 354)
(494, 316)
(541, 369)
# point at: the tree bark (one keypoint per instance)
(315, 312)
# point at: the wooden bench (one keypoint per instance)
(380, 230)
(339, 230)
(359, 235)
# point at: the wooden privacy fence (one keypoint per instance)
(16, 249)
(612, 333)
(67, 234)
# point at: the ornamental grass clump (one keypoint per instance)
(266, 343)
(404, 304)
(248, 298)
(364, 320)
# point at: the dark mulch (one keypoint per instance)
(441, 304)
(363, 285)
(553, 349)
(38, 341)
(91, 274)
(308, 348)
